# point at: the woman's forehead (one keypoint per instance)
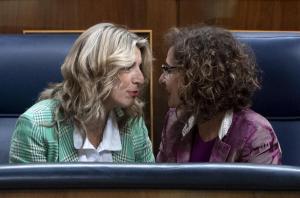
(170, 56)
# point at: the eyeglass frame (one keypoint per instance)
(167, 69)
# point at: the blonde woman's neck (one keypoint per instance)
(95, 129)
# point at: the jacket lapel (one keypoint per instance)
(185, 144)
(126, 154)
(66, 150)
(184, 149)
(220, 151)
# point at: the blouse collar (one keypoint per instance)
(225, 125)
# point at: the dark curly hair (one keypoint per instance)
(220, 73)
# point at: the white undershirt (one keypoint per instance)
(111, 141)
(225, 125)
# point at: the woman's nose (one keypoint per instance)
(161, 79)
(139, 77)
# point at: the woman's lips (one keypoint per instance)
(133, 93)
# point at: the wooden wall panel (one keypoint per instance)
(17, 15)
(242, 14)
(161, 17)
(157, 15)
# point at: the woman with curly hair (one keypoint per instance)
(210, 78)
(94, 114)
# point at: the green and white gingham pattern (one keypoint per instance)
(34, 141)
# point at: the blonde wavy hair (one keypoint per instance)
(90, 69)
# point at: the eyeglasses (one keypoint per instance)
(167, 69)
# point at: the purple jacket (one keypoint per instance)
(250, 139)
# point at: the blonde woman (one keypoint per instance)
(94, 114)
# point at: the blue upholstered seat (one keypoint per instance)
(278, 55)
(27, 64)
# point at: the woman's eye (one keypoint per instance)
(132, 67)
(168, 70)
(127, 69)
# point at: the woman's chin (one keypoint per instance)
(171, 104)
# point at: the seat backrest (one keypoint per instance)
(278, 55)
(28, 64)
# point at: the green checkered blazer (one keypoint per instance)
(34, 141)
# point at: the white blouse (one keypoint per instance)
(111, 141)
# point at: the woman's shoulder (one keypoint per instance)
(131, 124)
(171, 116)
(42, 111)
(250, 117)
(136, 123)
(250, 123)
